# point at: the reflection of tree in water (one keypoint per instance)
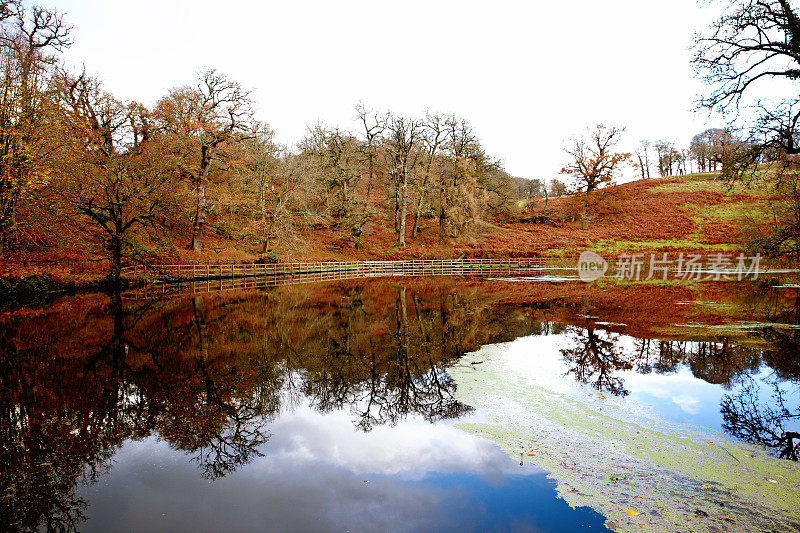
(783, 344)
(593, 355)
(66, 406)
(207, 375)
(745, 414)
(384, 378)
(747, 418)
(40, 456)
(593, 358)
(721, 363)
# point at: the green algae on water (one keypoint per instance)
(610, 456)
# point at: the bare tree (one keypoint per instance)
(464, 160)
(642, 154)
(669, 158)
(433, 137)
(592, 160)
(270, 192)
(203, 119)
(402, 148)
(334, 159)
(557, 188)
(373, 125)
(700, 151)
(753, 42)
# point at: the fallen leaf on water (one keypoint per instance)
(771, 480)
(631, 512)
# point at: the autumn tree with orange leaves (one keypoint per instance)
(112, 175)
(593, 165)
(29, 42)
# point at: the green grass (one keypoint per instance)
(731, 212)
(691, 243)
(611, 281)
(709, 181)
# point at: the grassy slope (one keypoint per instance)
(688, 213)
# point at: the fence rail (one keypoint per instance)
(332, 269)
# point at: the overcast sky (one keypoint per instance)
(528, 75)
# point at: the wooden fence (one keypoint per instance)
(340, 270)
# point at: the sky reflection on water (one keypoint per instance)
(319, 473)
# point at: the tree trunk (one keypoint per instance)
(116, 260)
(415, 227)
(116, 311)
(369, 180)
(397, 207)
(442, 211)
(403, 211)
(200, 214)
(421, 200)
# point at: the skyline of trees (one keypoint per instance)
(137, 179)
(141, 180)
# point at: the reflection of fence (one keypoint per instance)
(339, 270)
(236, 284)
(343, 271)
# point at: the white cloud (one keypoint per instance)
(689, 404)
(412, 447)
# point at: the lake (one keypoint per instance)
(404, 404)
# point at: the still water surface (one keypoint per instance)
(376, 406)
